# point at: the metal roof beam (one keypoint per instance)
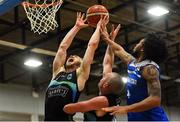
(33, 45)
(6, 22)
(14, 27)
(121, 6)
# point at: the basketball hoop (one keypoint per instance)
(41, 14)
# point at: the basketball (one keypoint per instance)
(94, 13)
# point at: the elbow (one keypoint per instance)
(116, 52)
(92, 45)
(156, 100)
(158, 103)
(67, 109)
(107, 62)
(62, 47)
(61, 50)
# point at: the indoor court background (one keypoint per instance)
(22, 89)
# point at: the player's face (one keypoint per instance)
(73, 60)
(139, 46)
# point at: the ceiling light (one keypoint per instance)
(177, 80)
(124, 79)
(158, 11)
(33, 63)
(165, 77)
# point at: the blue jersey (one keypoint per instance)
(137, 91)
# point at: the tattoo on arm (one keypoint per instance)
(152, 77)
(151, 71)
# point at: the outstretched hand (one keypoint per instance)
(80, 20)
(106, 36)
(116, 110)
(114, 32)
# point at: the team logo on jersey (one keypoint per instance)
(132, 81)
(63, 76)
(69, 76)
(58, 91)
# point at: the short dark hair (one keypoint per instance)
(116, 84)
(155, 47)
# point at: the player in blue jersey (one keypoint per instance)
(143, 85)
(69, 76)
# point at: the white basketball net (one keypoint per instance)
(41, 14)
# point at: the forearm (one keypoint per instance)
(108, 60)
(89, 56)
(94, 40)
(146, 104)
(114, 46)
(76, 107)
(92, 46)
(66, 42)
(109, 57)
(119, 51)
(95, 103)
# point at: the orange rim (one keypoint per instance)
(26, 4)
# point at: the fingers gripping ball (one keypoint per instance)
(94, 14)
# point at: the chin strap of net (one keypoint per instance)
(42, 14)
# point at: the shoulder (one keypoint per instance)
(61, 69)
(150, 72)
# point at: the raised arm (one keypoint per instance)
(66, 42)
(151, 75)
(116, 48)
(108, 61)
(109, 55)
(84, 69)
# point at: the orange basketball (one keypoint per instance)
(94, 13)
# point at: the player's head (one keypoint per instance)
(73, 61)
(153, 47)
(111, 83)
